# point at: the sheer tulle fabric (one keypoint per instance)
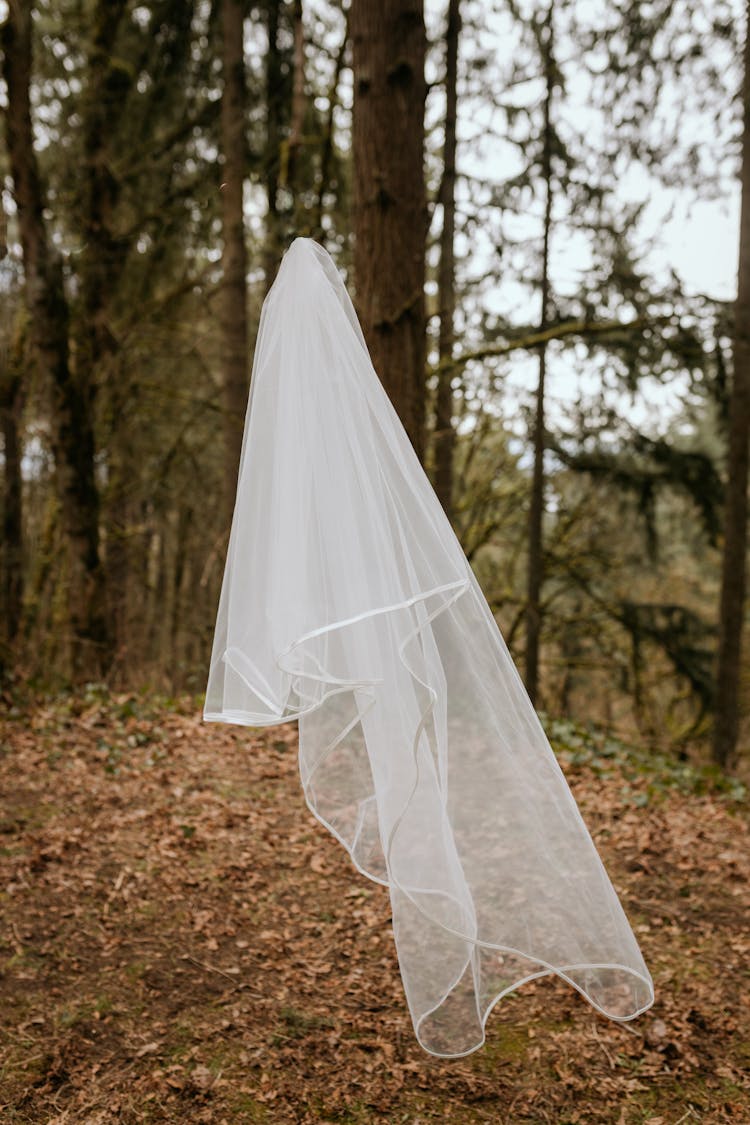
(348, 604)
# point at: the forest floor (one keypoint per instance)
(181, 941)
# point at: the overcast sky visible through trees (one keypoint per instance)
(695, 237)
(695, 234)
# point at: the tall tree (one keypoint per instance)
(444, 436)
(105, 87)
(297, 116)
(3, 230)
(536, 506)
(275, 96)
(12, 391)
(72, 405)
(327, 148)
(733, 578)
(11, 407)
(390, 211)
(234, 256)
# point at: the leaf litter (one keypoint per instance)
(181, 941)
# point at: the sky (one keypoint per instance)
(697, 239)
(701, 242)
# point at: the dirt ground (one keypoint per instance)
(181, 941)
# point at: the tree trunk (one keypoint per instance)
(103, 252)
(535, 574)
(11, 407)
(274, 113)
(72, 421)
(100, 267)
(733, 578)
(234, 258)
(124, 600)
(326, 151)
(444, 436)
(390, 212)
(297, 121)
(3, 230)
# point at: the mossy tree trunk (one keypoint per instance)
(234, 256)
(72, 398)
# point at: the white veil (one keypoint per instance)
(347, 603)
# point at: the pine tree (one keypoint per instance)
(390, 213)
(732, 607)
(72, 393)
(234, 257)
(444, 435)
(536, 505)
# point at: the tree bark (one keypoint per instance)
(72, 408)
(234, 257)
(326, 152)
(103, 252)
(444, 436)
(535, 574)
(274, 96)
(390, 211)
(11, 408)
(3, 231)
(297, 120)
(100, 266)
(733, 578)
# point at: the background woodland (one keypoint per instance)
(158, 157)
(180, 940)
